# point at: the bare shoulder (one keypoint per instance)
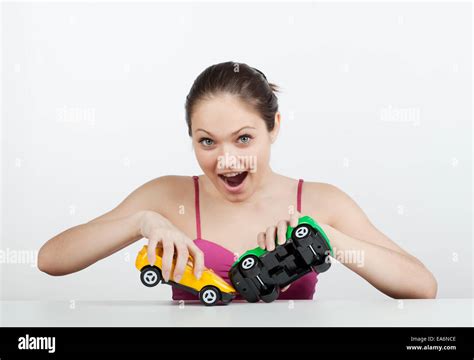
(159, 194)
(164, 191)
(327, 201)
(322, 190)
(167, 184)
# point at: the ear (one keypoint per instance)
(276, 127)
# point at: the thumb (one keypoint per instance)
(294, 218)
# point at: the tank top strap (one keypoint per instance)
(196, 206)
(298, 196)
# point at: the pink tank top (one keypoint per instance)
(220, 259)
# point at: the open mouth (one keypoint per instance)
(234, 179)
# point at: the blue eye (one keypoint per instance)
(206, 142)
(245, 139)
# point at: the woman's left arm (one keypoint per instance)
(384, 264)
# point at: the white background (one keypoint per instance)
(376, 100)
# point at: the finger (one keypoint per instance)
(294, 218)
(198, 259)
(270, 238)
(281, 231)
(151, 252)
(181, 260)
(261, 240)
(285, 288)
(168, 253)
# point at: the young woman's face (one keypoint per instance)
(232, 144)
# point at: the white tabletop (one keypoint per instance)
(326, 313)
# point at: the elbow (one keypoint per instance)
(46, 264)
(422, 286)
(429, 287)
(426, 287)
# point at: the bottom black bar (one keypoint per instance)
(62, 342)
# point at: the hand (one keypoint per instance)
(266, 240)
(161, 232)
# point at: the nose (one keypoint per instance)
(229, 158)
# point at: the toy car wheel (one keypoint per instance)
(226, 302)
(322, 267)
(246, 290)
(249, 265)
(150, 276)
(300, 232)
(272, 296)
(209, 295)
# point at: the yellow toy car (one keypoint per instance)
(211, 288)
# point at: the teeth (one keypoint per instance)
(232, 174)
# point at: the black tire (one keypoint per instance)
(251, 297)
(322, 267)
(271, 296)
(209, 295)
(150, 276)
(247, 291)
(301, 232)
(226, 302)
(249, 266)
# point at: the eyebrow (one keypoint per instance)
(235, 132)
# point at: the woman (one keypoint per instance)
(239, 201)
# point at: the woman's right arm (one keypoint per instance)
(80, 246)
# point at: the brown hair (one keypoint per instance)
(239, 79)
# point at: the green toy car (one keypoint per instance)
(259, 274)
